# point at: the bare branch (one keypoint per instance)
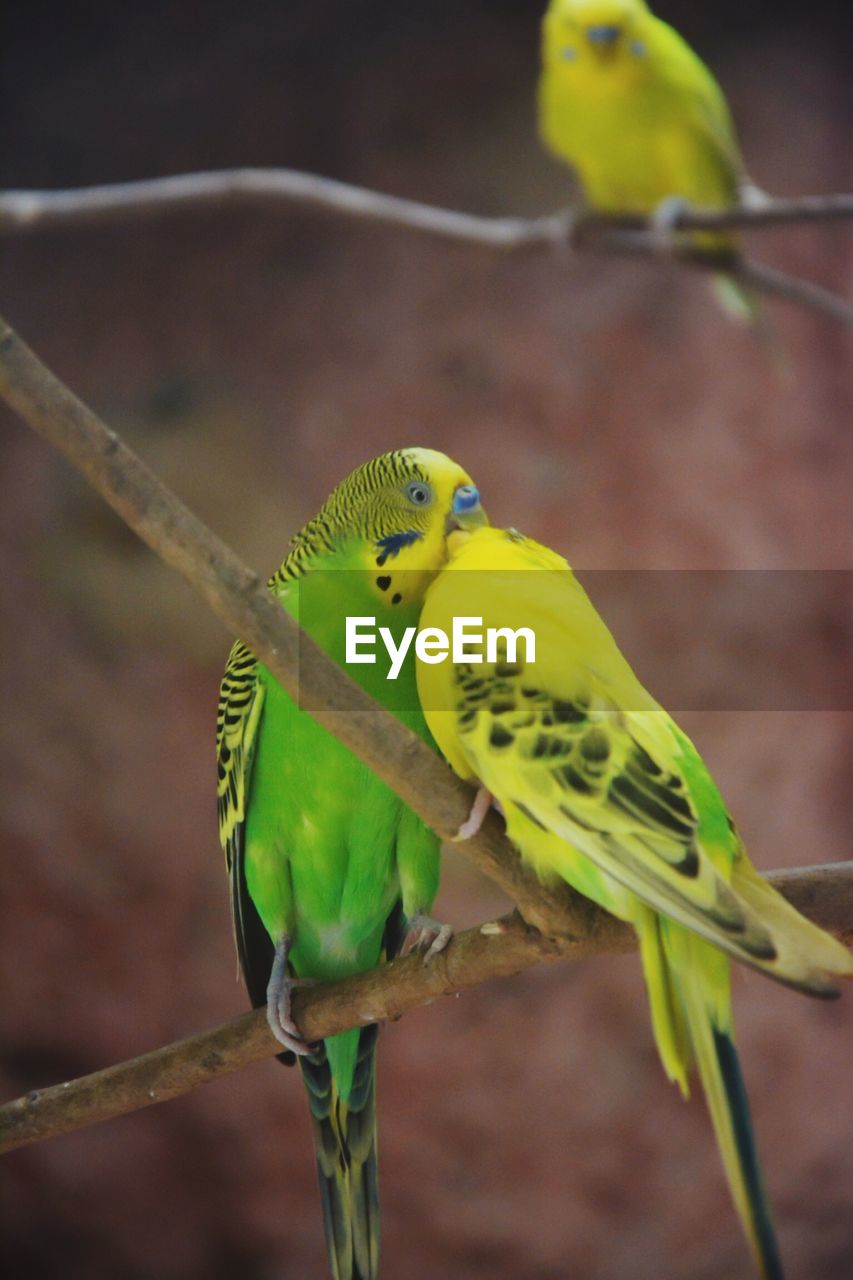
(35, 210)
(770, 212)
(24, 211)
(41, 210)
(778, 284)
(498, 949)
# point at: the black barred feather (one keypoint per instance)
(607, 784)
(354, 508)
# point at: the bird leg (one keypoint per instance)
(279, 993)
(427, 935)
(483, 801)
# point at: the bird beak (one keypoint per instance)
(465, 510)
(604, 38)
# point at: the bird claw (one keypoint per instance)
(279, 997)
(483, 801)
(559, 228)
(427, 935)
(751, 196)
(664, 219)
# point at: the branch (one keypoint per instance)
(498, 949)
(23, 211)
(42, 210)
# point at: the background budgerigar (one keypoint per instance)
(328, 868)
(637, 114)
(599, 786)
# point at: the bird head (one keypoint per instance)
(392, 517)
(603, 32)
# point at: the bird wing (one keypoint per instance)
(697, 92)
(612, 784)
(241, 701)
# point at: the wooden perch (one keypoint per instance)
(498, 949)
(27, 211)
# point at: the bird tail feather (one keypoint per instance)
(692, 1023)
(345, 1144)
(743, 305)
(738, 302)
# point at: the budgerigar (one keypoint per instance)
(599, 786)
(640, 118)
(328, 868)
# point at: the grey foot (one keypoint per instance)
(752, 197)
(427, 935)
(559, 228)
(665, 217)
(279, 994)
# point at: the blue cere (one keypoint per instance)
(466, 498)
(604, 34)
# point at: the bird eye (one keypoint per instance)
(418, 493)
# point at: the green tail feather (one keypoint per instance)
(760, 1219)
(743, 305)
(345, 1142)
(738, 302)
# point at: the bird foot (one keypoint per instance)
(279, 996)
(559, 228)
(427, 935)
(664, 219)
(751, 196)
(483, 801)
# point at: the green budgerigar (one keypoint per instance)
(328, 868)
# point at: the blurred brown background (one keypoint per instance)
(527, 1130)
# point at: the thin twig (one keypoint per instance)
(778, 284)
(23, 211)
(755, 276)
(498, 949)
(29, 210)
(35, 210)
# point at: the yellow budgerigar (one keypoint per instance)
(637, 114)
(601, 788)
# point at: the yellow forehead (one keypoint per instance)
(596, 12)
